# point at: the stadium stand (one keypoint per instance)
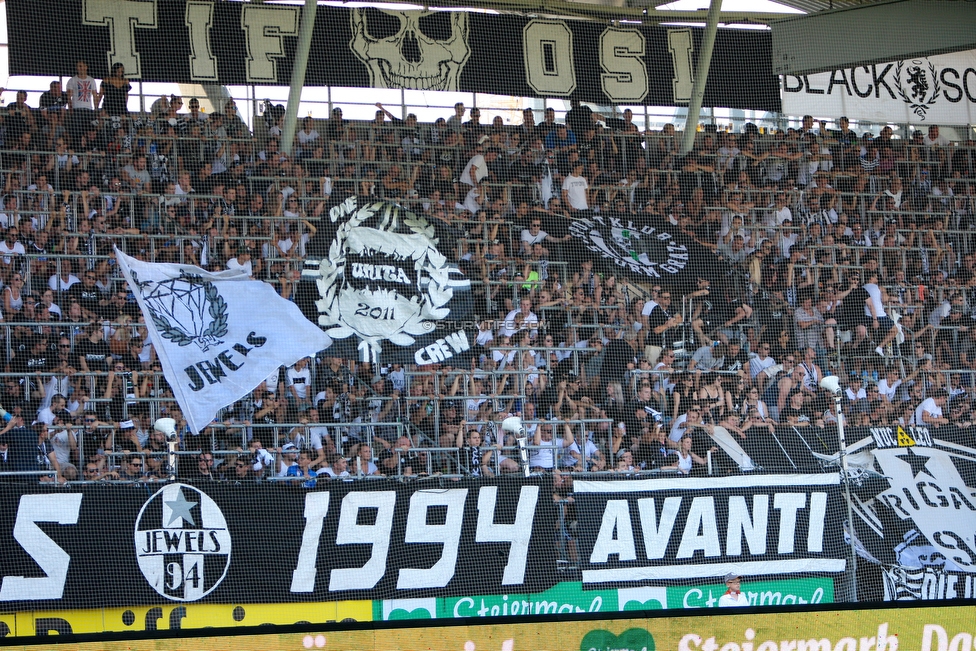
(842, 253)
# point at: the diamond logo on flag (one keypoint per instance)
(186, 310)
(242, 331)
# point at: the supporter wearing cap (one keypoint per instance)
(243, 261)
(733, 597)
(287, 457)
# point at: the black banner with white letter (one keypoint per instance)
(693, 528)
(915, 509)
(644, 249)
(234, 43)
(106, 545)
(385, 285)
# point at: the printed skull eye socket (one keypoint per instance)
(379, 24)
(436, 25)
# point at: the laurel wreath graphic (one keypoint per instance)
(217, 307)
(919, 108)
(428, 307)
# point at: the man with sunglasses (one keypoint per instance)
(199, 468)
(659, 322)
(533, 235)
(132, 468)
(92, 472)
(98, 437)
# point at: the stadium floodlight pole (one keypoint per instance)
(302, 49)
(831, 383)
(701, 76)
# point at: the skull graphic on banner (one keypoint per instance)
(423, 50)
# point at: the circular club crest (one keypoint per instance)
(639, 248)
(384, 279)
(182, 543)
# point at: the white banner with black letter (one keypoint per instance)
(684, 528)
(217, 335)
(926, 90)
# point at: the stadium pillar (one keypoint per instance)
(298, 76)
(701, 76)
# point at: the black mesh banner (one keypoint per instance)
(116, 545)
(670, 530)
(250, 43)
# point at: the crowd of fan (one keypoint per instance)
(848, 254)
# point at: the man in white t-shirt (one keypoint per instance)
(81, 89)
(521, 319)
(287, 457)
(888, 386)
(242, 261)
(934, 139)
(780, 211)
(545, 459)
(532, 235)
(575, 189)
(476, 170)
(339, 468)
(298, 379)
(929, 412)
(759, 362)
(82, 96)
(874, 304)
(9, 248)
(318, 436)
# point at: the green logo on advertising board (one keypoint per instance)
(760, 593)
(633, 639)
(572, 598)
(561, 598)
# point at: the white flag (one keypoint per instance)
(217, 335)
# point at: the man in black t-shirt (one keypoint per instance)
(736, 359)
(87, 295)
(796, 412)
(471, 452)
(651, 451)
(659, 322)
(92, 352)
(28, 448)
